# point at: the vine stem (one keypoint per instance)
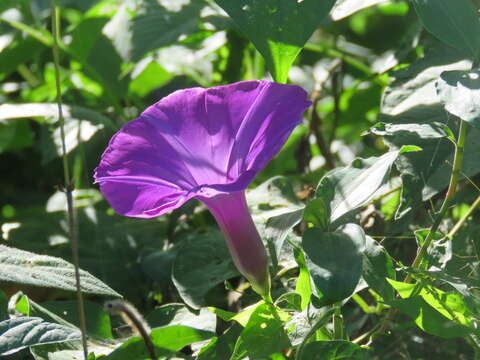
(452, 188)
(66, 174)
(464, 218)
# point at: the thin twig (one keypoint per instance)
(68, 183)
(464, 218)
(316, 128)
(337, 89)
(132, 317)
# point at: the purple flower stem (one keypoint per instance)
(242, 238)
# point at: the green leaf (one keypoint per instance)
(138, 28)
(263, 335)
(439, 253)
(305, 324)
(303, 286)
(454, 22)
(167, 340)
(24, 267)
(290, 24)
(334, 350)
(148, 78)
(433, 310)
(464, 287)
(354, 186)
(19, 52)
(19, 333)
(15, 135)
(179, 314)
(202, 263)
(98, 56)
(459, 91)
(413, 114)
(97, 320)
(377, 266)
(277, 228)
(335, 259)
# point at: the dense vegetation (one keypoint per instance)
(369, 212)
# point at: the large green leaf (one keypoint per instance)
(344, 190)
(460, 93)
(335, 260)
(19, 333)
(24, 267)
(454, 22)
(202, 263)
(278, 28)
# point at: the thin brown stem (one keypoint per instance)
(316, 128)
(72, 233)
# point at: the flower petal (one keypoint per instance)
(198, 141)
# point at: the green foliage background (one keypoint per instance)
(343, 209)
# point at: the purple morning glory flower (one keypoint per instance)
(207, 144)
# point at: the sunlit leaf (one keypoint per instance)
(460, 93)
(19, 333)
(24, 267)
(289, 25)
(263, 335)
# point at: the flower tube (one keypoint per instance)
(207, 144)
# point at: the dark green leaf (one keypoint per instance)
(19, 333)
(334, 350)
(19, 52)
(98, 56)
(223, 346)
(377, 266)
(289, 26)
(276, 231)
(454, 22)
(334, 260)
(202, 263)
